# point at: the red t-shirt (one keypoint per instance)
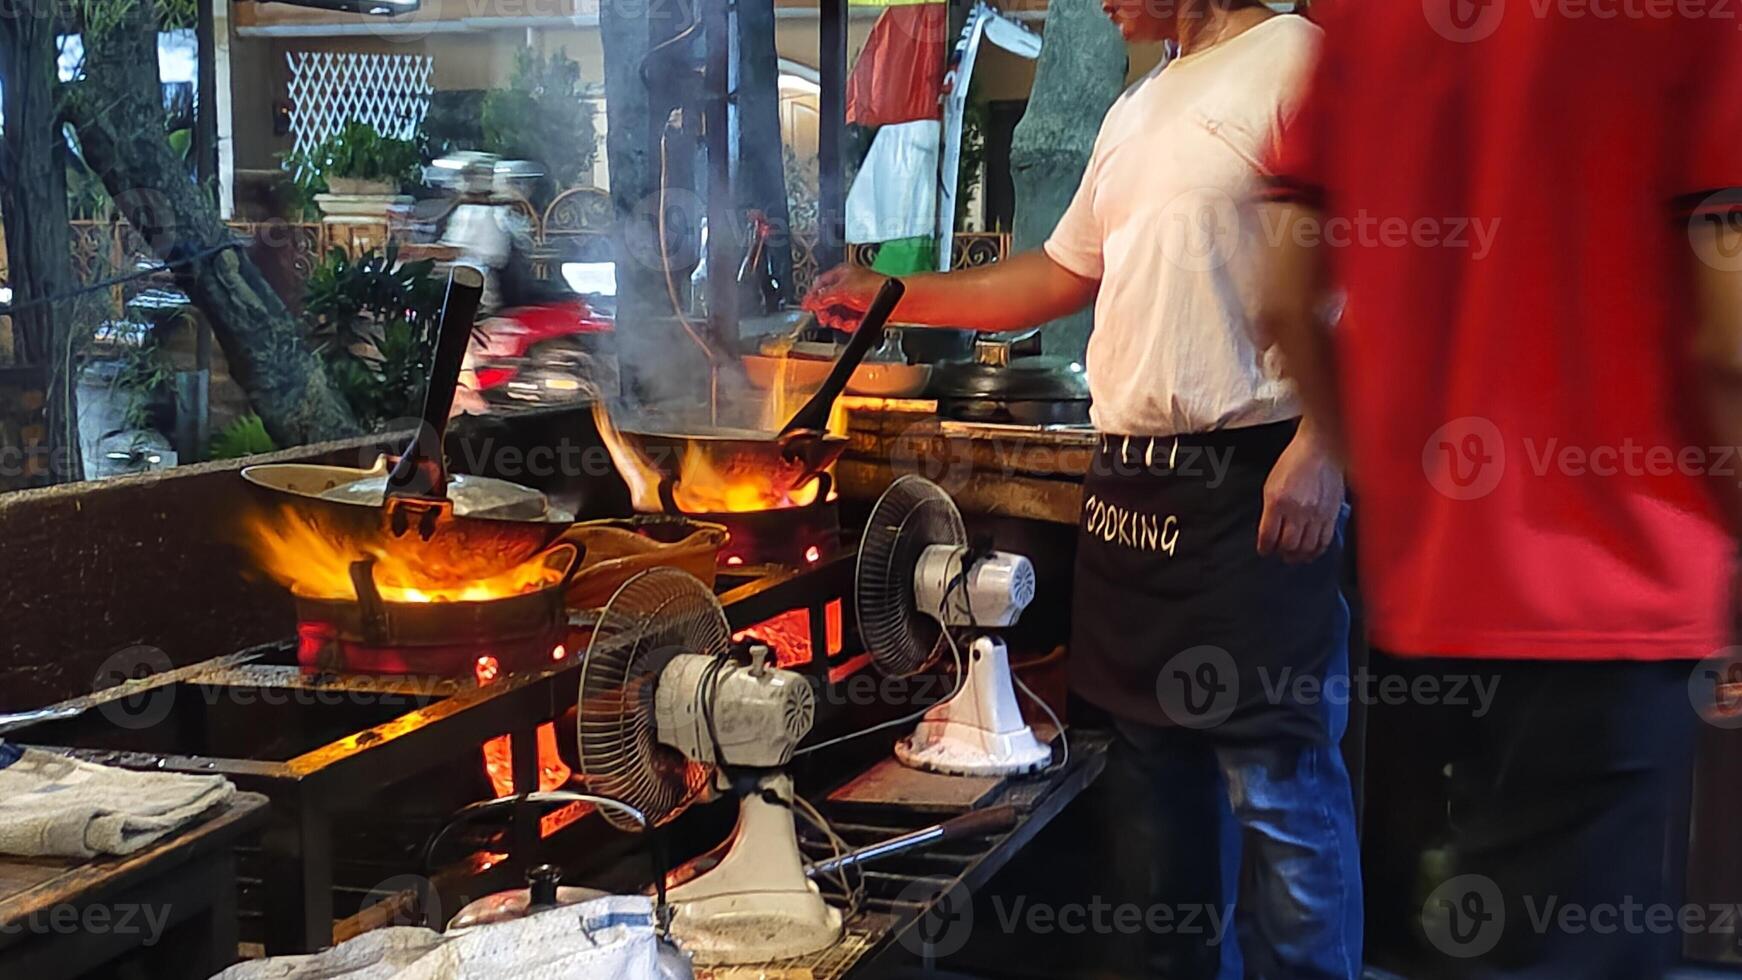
(1508, 199)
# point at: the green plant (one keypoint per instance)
(244, 437)
(142, 376)
(541, 116)
(373, 322)
(358, 151)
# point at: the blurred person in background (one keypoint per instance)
(1538, 367)
(1208, 558)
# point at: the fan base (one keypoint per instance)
(980, 731)
(756, 904)
(955, 749)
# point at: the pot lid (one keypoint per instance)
(1041, 378)
(472, 496)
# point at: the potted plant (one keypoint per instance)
(356, 171)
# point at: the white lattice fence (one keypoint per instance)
(390, 92)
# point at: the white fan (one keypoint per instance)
(918, 578)
(665, 711)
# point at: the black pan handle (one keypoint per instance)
(422, 471)
(814, 416)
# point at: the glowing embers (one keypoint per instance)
(789, 635)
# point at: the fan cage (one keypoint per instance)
(911, 516)
(654, 617)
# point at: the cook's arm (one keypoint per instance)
(1024, 290)
(1291, 315)
(1718, 344)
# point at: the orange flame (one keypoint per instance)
(710, 479)
(316, 564)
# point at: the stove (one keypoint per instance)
(482, 638)
(361, 768)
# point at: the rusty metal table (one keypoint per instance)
(170, 909)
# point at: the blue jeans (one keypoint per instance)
(1286, 810)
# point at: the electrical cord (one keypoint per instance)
(11, 309)
(474, 811)
(853, 892)
(1064, 739)
(959, 582)
(961, 679)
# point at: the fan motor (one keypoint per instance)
(717, 709)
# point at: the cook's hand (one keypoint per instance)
(840, 296)
(1303, 498)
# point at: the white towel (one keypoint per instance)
(377, 955)
(609, 938)
(55, 806)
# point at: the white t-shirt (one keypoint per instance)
(1162, 220)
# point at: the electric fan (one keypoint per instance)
(667, 712)
(918, 578)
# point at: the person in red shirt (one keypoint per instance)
(1537, 381)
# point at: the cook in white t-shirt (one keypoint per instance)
(1159, 221)
(1160, 240)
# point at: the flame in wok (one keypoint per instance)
(315, 563)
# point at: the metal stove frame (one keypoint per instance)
(459, 717)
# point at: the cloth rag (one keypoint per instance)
(55, 806)
(610, 937)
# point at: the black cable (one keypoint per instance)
(11, 309)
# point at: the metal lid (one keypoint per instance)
(1025, 378)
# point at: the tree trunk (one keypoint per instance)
(118, 111)
(1080, 74)
(33, 201)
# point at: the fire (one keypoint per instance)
(710, 479)
(316, 564)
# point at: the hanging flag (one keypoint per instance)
(899, 76)
(894, 199)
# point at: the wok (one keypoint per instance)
(488, 527)
(802, 449)
(451, 528)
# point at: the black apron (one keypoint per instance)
(1177, 621)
